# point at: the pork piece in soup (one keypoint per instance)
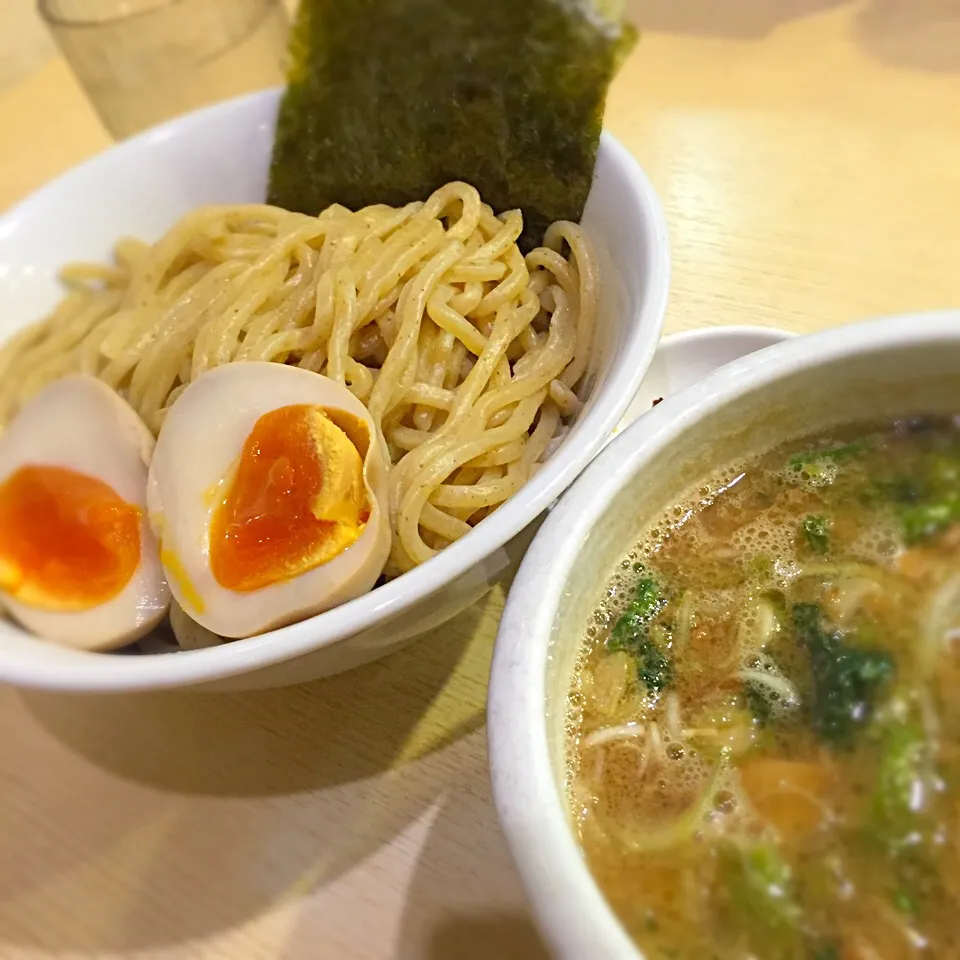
(764, 729)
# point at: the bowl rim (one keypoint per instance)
(94, 672)
(572, 914)
(260, 101)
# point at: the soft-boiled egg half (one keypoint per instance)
(78, 561)
(268, 494)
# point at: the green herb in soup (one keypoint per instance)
(765, 720)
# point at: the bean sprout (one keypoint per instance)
(621, 731)
(779, 685)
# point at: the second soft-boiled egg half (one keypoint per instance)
(268, 494)
(78, 561)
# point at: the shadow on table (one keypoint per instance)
(480, 938)
(257, 743)
(743, 19)
(916, 34)
(465, 901)
(232, 801)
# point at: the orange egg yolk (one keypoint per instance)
(295, 500)
(68, 541)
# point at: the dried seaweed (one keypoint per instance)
(389, 99)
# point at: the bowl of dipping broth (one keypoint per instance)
(724, 700)
(215, 469)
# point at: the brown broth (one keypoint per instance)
(764, 728)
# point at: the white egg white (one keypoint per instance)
(189, 634)
(81, 424)
(202, 439)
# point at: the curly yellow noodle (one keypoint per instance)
(411, 546)
(466, 353)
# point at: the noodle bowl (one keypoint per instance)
(466, 353)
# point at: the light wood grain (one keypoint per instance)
(808, 155)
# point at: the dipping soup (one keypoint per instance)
(764, 724)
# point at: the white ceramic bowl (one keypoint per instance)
(221, 155)
(683, 359)
(871, 370)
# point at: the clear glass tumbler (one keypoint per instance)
(143, 61)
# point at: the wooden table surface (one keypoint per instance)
(808, 156)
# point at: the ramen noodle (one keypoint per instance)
(467, 354)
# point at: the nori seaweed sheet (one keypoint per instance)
(389, 99)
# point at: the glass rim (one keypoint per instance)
(53, 19)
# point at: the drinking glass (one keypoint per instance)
(143, 61)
